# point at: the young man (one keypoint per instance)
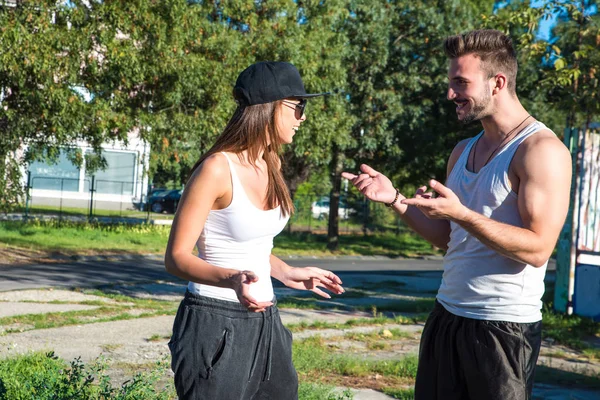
(498, 217)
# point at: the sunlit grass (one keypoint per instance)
(85, 238)
(303, 326)
(383, 244)
(123, 308)
(90, 238)
(315, 361)
(571, 331)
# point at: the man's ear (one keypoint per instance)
(500, 83)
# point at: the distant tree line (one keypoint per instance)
(165, 68)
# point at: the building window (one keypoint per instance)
(62, 176)
(118, 177)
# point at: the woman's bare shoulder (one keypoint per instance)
(214, 167)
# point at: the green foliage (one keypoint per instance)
(569, 330)
(45, 376)
(402, 394)
(559, 77)
(164, 70)
(422, 121)
(12, 191)
(313, 391)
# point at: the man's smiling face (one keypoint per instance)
(469, 88)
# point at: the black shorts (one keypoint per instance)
(220, 350)
(464, 358)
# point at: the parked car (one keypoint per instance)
(156, 191)
(165, 201)
(320, 209)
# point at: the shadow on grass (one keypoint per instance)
(387, 244)
(414, 307)
(553, 376)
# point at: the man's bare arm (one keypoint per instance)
(543, 166)
(377, 187)
(544, 171)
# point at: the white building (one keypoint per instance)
(122, 185)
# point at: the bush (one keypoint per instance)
(44, 376)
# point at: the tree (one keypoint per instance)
(178, 67)
(397, 83)
(560, 78)
(424, 124)
(36, 75)
(164, 69)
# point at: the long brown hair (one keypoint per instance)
(254, 128)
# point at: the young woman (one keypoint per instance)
(228, 340)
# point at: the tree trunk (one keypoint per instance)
(295, 171)
(334, 199)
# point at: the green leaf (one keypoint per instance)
(559, 64)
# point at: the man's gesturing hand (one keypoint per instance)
(446, 206)
(374, 185)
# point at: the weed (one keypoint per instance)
(110, 347)
(400, 393)
(158, 338)
(44, 376)
(314, 391)
(570, 330)
(378, 346)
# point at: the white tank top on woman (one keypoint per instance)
(240, 237)
(478, 282)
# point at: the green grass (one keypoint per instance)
(73, 238)
(158, 338)
(86, 238)
(313, 359)
(420, 306)
(302, 326)
(394, 334)
(572, 331)
(104, 313)
(80, 211)
(399, 393)
(44, 376)
(554, 376)
(383, 244)
(315, 391)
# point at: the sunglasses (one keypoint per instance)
(298, 107)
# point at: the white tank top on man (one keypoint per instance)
(478, 282)
(240, 237)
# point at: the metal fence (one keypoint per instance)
(125, 202)
(355, 214)
(88, 199)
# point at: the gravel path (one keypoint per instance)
(141, 341)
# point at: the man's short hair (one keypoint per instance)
(494, 49)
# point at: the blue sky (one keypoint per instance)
(546, 25)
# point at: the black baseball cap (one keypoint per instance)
(269, 81)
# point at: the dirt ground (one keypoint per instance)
(135, 344)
